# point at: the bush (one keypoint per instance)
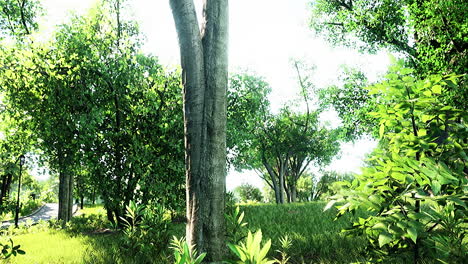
(146, 230)
(416, 185)
(248, 193)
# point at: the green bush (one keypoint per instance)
(416, 185)
(146, 230)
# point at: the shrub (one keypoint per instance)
(416, 186)
(146, 230)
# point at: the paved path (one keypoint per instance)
(47, 212)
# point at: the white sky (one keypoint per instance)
(264, 36)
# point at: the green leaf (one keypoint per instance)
(413, 234)
(435, 186)
(200, 258)
(234, 249)
(384, 238)
(437, 89)
(329, 205)
(264, 251)
(381, 130)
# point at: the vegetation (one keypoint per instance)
(111, 125)
(248, 193)
(89, 238)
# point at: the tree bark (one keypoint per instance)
(70, 196)
(273, 177)
(63, 196)
(65, 190)
(293, 191)
(204, 60)
(281, 175)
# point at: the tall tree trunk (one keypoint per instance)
(65, 190)
(288, 192)
(8, 185)
(204, 60)
(94, 195)
(63, 196)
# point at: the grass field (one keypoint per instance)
(316, 238)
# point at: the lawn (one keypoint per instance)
(316, 237)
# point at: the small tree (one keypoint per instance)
(247, 192)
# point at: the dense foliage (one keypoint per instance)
(99, 107)
(431, 34)
(417, 183)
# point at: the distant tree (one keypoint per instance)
(305, 187)
(247, 107)
(268, 194)
(311, 187)
(247, 192)
(279, 146)
(323, 186)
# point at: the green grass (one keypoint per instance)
(53, 247)
(316, 237)
(92, 209)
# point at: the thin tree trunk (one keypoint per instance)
(65, 190)
(273, 177)
(70, 196)
(10, 179)
(4, 188)
(204, 76)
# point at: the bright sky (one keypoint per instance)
(264, 36)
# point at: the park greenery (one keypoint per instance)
(144, 149)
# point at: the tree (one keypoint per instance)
(247, 106)
(421, 160)
(352, 102)
(102, 108)
(204, 60)
(279, 147)
(17, 17)
(248, 192)
(430, 33)
(310, 187)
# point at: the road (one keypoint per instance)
(47, 212)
